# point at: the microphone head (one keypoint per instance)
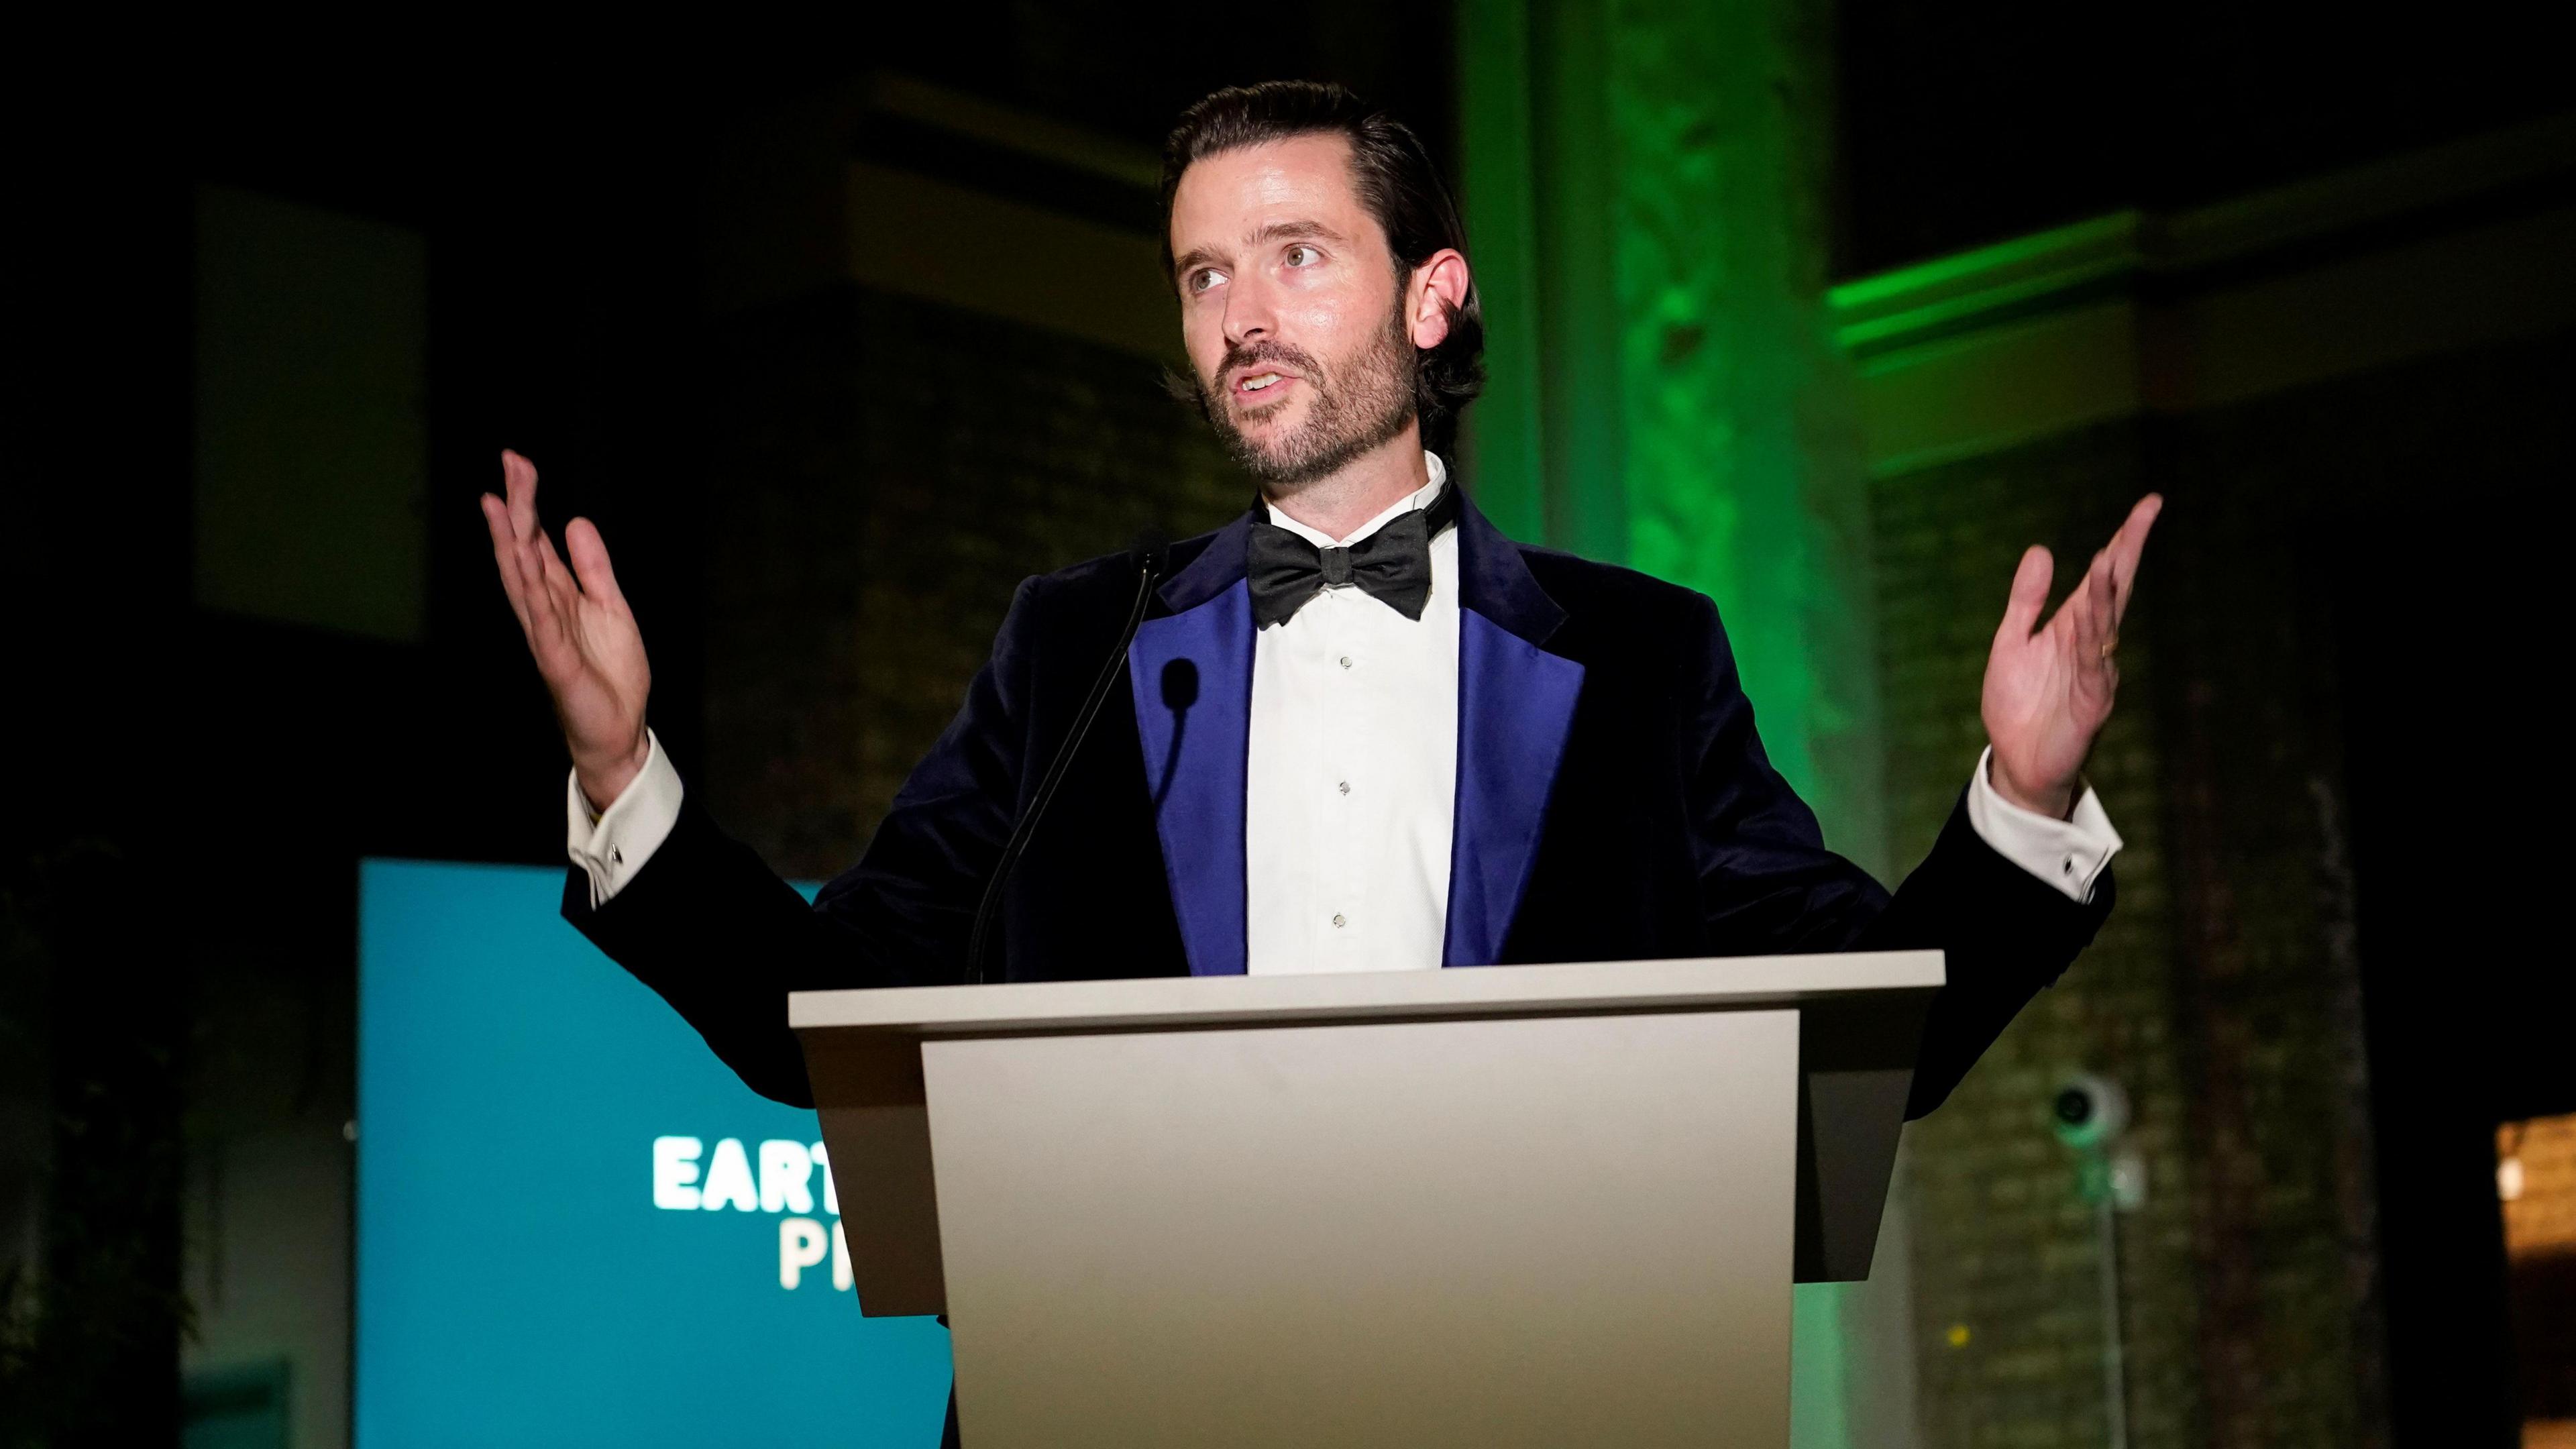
(1151, 550)
(1180, 685)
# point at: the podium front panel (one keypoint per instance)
(1504, 1231)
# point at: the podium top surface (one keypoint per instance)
(1703, 983)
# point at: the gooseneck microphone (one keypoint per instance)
(1146, 558)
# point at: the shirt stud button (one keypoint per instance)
(2070, 865)
(1338, 921)
(1344, 787)
(1346, 661)
(617, 857)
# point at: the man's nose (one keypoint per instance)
(1248, 315)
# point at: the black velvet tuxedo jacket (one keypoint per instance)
(1613, 802)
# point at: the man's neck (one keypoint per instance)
(1370, 484)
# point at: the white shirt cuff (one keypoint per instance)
(2068, 854)
(614, 844)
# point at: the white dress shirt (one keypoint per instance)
(1351, 784)
(1349, 794)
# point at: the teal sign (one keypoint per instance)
(574, 1225)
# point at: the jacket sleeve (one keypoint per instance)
(708, 925)
(1769, 885)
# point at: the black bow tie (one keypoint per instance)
(1392, 565)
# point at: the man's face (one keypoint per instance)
(1290, 308)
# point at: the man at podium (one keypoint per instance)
(1354, 729)
(1360, 729)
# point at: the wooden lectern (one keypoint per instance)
(1495, 1206)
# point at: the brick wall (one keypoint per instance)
(2227, 992)
(2007, 1292)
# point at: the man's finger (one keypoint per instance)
(561, 611)
(590, 563)
(519, 478)
(2083, 617)
(2127, 547)
(2029, 594)
(546, 588)
(2103, 610)
(505, 556)
(2098, 670)
(548, 631)
(559, 579)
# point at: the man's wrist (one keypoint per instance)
(2057, 803)
(2069, 853)
(602, 782)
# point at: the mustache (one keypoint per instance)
(1207, 394)
(1266, 351)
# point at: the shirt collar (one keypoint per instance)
(1422, 497)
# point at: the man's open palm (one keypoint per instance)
(580, 631)
(2049, 688)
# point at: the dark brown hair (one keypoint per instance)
(1396, 182)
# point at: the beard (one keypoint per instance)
(1358, 405)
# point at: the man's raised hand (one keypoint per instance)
(580, 631)
(2048, 689)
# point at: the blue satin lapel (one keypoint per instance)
(1515, 706)
(1201, 658)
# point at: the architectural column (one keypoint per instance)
(1645, 185)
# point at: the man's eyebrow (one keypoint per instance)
(1276, 231)
(1292, 231)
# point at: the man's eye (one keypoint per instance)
(1299, 256)
(1201, 281)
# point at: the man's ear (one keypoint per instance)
(1437, 292)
